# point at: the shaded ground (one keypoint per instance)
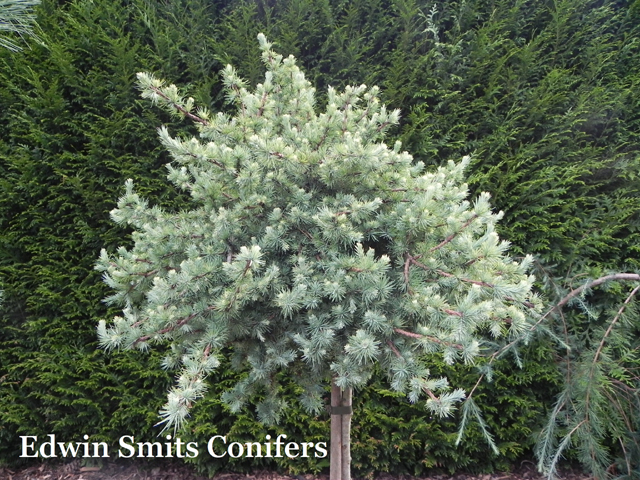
(115, 471)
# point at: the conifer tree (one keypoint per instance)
(311, 247)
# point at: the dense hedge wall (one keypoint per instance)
(545, 94)
(72, 130)
(391, 435)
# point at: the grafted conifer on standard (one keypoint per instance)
(311, 247)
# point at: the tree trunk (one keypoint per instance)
(340, 455)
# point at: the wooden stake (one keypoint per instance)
(340, 452)
(346, 435)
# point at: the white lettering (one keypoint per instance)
(268, 444)
(52, 447)
(31, 445)
(291, 446)
(210, 446)
(250, 445)
(69, 448)
(192, 447)
(105, 450)
(240, 450)
(321, 447)
(169, 445)
(150, 450)
(306, 445)
(279, 444)
(132, 451)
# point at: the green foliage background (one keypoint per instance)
(545, 94)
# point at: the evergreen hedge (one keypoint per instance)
(72, 129)
(545, 94)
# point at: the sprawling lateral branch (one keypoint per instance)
(311, 246)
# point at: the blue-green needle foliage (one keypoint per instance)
(16, 18)
(312, 247)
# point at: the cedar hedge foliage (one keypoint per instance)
(545, 94)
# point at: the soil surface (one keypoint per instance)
(115, 471)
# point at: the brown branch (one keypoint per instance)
(446, 274)
(465, 280)
(305, 233)
(247, 267)
(322, 140)
(563, 302)
(215, 162)
(146, 274)
(394, 349)
(613, 322)
(429, 337)
(526, 304)
(382, 126)
(430, 393)
(595, 283)
(406, 270)
(407, 334)
(181, 109)
(171, 328)
(453, 235)
(364, 114)
(263, 102)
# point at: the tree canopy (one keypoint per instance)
(311, 245)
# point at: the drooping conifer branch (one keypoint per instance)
(558, 306)
(613, 323)
(592, 284)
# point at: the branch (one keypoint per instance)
(406, 270)
(465, 280)
(595, 283)
(181, 109)
(146, 274)
(263, 102)
(525, 303)
(394, 349)
(430, 393)
(228, 196)
(444, 274)
(429, 337)
(454, 235)
(407, 334)
(171, 328)
(563, 302)
(577, 291)
(613, 322)
(305, 233)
